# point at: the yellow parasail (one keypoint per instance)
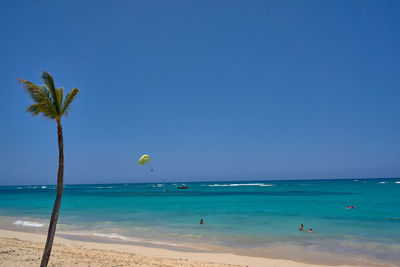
(144, 159)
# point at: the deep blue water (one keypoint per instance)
(253, 214)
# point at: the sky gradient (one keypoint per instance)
(211, 90)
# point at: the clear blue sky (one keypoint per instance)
(212, 90)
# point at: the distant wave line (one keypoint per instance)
(253, 184)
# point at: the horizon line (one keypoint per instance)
(225, 181)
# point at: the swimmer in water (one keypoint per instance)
(309, 230)
(201, 221)
(301, 227)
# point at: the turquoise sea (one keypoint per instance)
(259, 218)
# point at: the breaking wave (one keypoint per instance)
(253, 184)
(112, 236)
(30, 224)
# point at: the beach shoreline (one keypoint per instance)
(24, 249)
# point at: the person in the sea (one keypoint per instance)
(309, 230)
(201, 221)
(301, 227)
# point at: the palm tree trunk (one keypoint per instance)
(57, 203)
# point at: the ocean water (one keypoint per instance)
(259, 218)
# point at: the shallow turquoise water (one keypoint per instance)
(251, 215)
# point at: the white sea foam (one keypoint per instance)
(162, 243)
(117, 236)
(121, 237)
(103, 187)
(254, 184)
(397, 182)
(73, 233)
(382, 182)
(26, 223)
(43, 186)
(355, 180)
(100, 235)
(19, 187)
(112, 236)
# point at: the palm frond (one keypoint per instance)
(34, 109)
(68, 100)
(60, 95)
(49, 83)
(40, 98)
(34, 91)
(41, 108)
(46, 91)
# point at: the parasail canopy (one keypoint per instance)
(144, 159)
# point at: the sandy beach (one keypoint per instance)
(25, 249)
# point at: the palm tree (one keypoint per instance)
(48, 100)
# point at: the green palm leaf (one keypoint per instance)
(44, 109)
(68, 99)
(60, 95)
(49, 83)
(41, 99)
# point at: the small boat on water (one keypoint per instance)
(183, 187)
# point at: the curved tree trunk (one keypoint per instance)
(57, 203)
